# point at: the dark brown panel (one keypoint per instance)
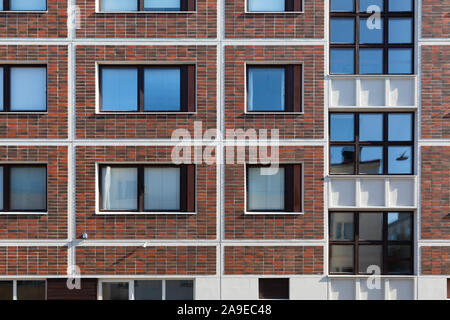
(289, 5)
(297, 168)
(190, 5)
(57, 290)
(288, 188)
(297, 94)
(274, 288)
(289, 84)
(448, 288)
(297, 5)
(190, 187)
(191, 88)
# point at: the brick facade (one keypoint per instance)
(435, 260)
(176, 260)
(138, 125)
(273, 260)
(435, 19)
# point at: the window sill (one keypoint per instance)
(144, 113)
(24, 213)
(278, 213)
(274, 12)
(283, 113)
(144, 213)
(143, 12)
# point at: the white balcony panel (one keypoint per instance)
(343, 93)
(343, 193)
(372, 93)
(343, 289)
(375, 292)
(401, 193)
(400, 289)
(401, 93)
(372, 192)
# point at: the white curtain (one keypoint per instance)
(265, 192)
(266, 5)
(119, 5)
(28, 89)
(162, 188)
(119, 188)
(28, 5)
(161, 4)
(28, 188)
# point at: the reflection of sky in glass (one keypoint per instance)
(364, 4)
(400, 30)
(119, 89)
(371, 154)
(399, 160)
(370, 127)
(119, 5)
(342, 30)
(342, 128)
(337, 153)
(266, 89)
(400, 5)
(28, 5)
(266, 5)
(162, 89)
(371, 61)
(341, 61)
(399, 128)
(367, 35)
(400, 61)
(162, 5)
(399, 226)
(343, 5)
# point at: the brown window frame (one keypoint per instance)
(293, 95)
(187, 87)
(187, 186)
(385, 15)
(270, 284)
(385, 143)
(7, 187)
(185, 5)
(7, 87)
(7, 6)
(289, 6)
(448, 288)
(293, 193)
(385, 243)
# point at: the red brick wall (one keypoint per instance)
(39, 226)
(435, 19)
(308, 125)
(435, 192)
(278, 226)
(142, 226)
(435, 92)
(50, 24)
(275, 260)
(435, 260)
(53, 124)
(309, 24)
(147, 261)
(33, 260)
(115, 126)
(199, 24)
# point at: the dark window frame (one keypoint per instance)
(185, 5)
(7, 187)
(289, 6)
(188, 186)
(293, 188)
(293, 94)
(7, 87)
(263, 283)
(7, 6)
(385, 14)
(385, 243)
(385, 143)
(188, 87)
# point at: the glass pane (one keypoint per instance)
(162, 188)
(370, 226)
(28, 89)
(342, 30)
(371, 160)
(343, 5)
(266, 89)
(1, 5)
(400, 30)
(266, 5)
(399, 225)
(119, 5)
(342, 160)
(342, 61)
(19, 5)
(179, 290)
(341, 226)
(31, 195)
(400, 5)
(119, 188)
(370, 256)
(399, 259)
(400, 61)
(371, 31)
(400, 127)
(341, 258)
(342, 127)
(1, 188)
(119, 89)
(371, 61)
(1, 88)
(365, 4)
(162, 89)
(162, 5)
(148, 290)
(265, 192)
(6, 290)
(370, 127)
(115, 291)
(30, 290)
(400, 160)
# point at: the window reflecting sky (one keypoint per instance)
(119, 89)
(342, 30)
(342, 127)
(341, 61)
(400, 127)
(266, 89)
(371, 127)
(400, 160)
(371, 61)
(400, 60)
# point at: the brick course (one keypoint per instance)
(435, 19)
(273, 260)
(435, 260)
